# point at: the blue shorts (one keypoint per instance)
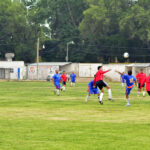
(73, 81)
(128, 90)
(93, 91)
(123, 80)
(57, 85)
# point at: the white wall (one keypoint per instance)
(71, 67)
(112, 75)
(44, 71)
(14, 65)
(88, 69)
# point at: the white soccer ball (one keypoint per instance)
(126, 55)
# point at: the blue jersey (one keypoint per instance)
(73, 77)
(129, 80)
(91, 85)
(57, 78)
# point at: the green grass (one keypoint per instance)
(33, 118)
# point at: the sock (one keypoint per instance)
(64, 88)
(128, 101)
(87, 98)
(73, 84)
(109, 94)
(138, 93)
(143, 93)
(57, 91)
(101, 97)
(122, 84)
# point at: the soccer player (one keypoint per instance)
(92, 90)
(56, 80)
(141, 76)
(130, 80)
(64, 80)
(148, 84)
(122, 79)
(73, 79)
(98, 81)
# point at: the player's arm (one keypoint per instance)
(53, 79)
(88, 88)
(119, 72)
(105, 71)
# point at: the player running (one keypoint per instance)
(56, 80)
(140, 77)
(122, 79)
(98, 81)
(130, 80)
(92, 90)
(64, 80)
(73, 79)
(148, 84)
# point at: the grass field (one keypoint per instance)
(33, 118)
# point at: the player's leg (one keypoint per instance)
(128, 90)
(148, 93)
(71, 83)
(143, 89)
(98, 94)
(64, 86)
(109, 92)
(89, 94)
(58, 88)
(101, 96)
(139, 89)
(74, 84)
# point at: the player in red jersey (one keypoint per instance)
(98, 81)
(148, 84)
(64, 79)
(141, 76)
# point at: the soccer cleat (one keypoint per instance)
(101, 102)
(128, 105)
(110, 99)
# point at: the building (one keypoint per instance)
(13, 70)
(137, 67)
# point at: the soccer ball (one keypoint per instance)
(126, 55)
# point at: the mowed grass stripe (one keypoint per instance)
(33, 118)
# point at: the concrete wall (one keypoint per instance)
(87, 70)
(43, 71)
(112, 75)
(14, 65)
(70, 68)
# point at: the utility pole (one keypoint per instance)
(37, 58)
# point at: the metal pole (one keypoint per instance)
(67, 52)
(37, 58)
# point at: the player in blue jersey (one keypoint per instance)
(130, 80)
(73, 79)
(56, 80)
(92, 90)
(122, 79)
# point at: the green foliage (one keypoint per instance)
(101, 29)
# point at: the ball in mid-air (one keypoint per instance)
(126, 55)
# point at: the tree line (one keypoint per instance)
(102, 30)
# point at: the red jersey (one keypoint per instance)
(148, 83)
(99, 75)
(64, 77)
(141, 77)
